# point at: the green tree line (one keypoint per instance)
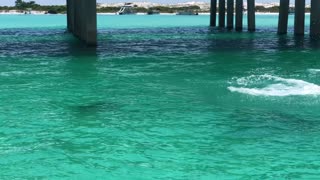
(61, 9)
(273, 9)
(23, 5)
(144, 10)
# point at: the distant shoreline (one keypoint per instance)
(44, 13)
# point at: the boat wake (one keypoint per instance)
(314, 71)
(268, 85)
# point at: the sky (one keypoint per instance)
(58, 2)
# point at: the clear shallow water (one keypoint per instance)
(174, 100)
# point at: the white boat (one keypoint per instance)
(28, 11)
(127, 9)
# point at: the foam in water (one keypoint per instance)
(314, 71)
(268, 85)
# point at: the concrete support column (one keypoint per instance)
(299, 17)
(82, 20)
(91, 22)
(83, 24)
(251, 15)
(78, 20)
(230, 10)
(239, 15)
(213, 13)
(315, 18)
(77, 25)
(283, 17)
(68, 15)
(222, 13)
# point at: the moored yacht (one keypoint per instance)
(127, 9)
(28, 11)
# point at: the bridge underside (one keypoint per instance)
(82, 20)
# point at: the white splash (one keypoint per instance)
(268, 85)
(314, 71)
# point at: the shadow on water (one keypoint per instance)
(197, 40)
(315, 42)
(85, 102)
(82, 60)
(77, 48)
(81, 81)
(151, 41)
(93, 113)
(226, 40)
(299, 41)
(264, 41)
(89, 108)
(291, 42)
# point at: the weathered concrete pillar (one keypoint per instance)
(69, 15)
(315, 18)
(283, 17)
(83, 15)
(77, 19)
(299, 17)
(230, 10)
(82, 20)
(91, 22)
(222, 13)
(239, 15)
(213, 13)
(251, 15)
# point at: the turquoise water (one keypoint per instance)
(161, 97)
(126, 22)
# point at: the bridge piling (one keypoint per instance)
(213, 13)
(82, 20)
(315, 18)
(299, 17)
(230, 10)
(283, 17)
(239, 15)
(69, 16)
(251, 15)
(222, 13)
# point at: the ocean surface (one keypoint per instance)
(161, 97)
